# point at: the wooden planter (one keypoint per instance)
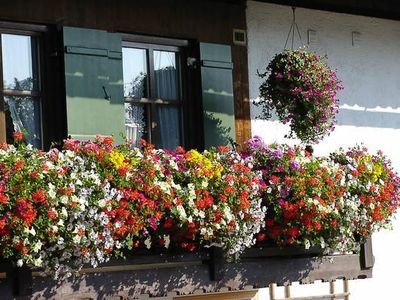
(163, 275)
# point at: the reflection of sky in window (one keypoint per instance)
(163, 59)
(17, 58)
(134, 63)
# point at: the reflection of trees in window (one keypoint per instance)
(23, 113)
(138, 86)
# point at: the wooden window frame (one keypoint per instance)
(151, 44)
(37, 32)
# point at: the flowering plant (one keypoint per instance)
(62, 209)
(301, 195)
(50, 212)
(218, 199)
(90, 201)
(372, 190)
(302, 89)
(327, 201)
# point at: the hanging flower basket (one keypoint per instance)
(302, 90)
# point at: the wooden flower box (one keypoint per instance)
(165, 275)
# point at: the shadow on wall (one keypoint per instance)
(183, 280)
(366, 117)
(358, 116)
(220, 134)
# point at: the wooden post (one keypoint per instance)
(332, 289)
(272, 288)
(346, 289)
(287, 291)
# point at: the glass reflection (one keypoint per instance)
(23, 114)
(19, 62)
(134, 65)
(135, 123)
(168, 134)
(166, 75)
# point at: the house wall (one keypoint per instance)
(200, 20)
(370, 102)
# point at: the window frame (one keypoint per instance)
(151, 44)
(37, 32)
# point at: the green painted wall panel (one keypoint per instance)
(89, 77)
(217, 95)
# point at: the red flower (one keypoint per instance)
(290, 212)
(18, 136)
(52, 214)
(188, 246)
(39, 197)
(261, 237)
(168, 224)
(274, 179)
(26, 211)
(19, 165)
(3, 198)
(34, 175)
(293, 232)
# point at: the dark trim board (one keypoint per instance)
(386, 9)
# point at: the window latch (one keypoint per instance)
(192, 62)
(106, 95)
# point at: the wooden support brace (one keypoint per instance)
(367, 259)
(21, 281)
(216, 263)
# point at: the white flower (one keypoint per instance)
(307, 244)
(181, 212)
(37, 247)
(167, 241)
(147, 242)
(20, 262)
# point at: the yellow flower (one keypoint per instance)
(117, 159)
(206, 166)
(377, 169)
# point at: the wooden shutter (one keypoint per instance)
(217, 94)
(94, 83)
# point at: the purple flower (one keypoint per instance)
(255, 143)
(294, 165)
(277, 153)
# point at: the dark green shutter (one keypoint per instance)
(94, 83)
(217, 94)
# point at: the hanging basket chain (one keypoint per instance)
(292, 31)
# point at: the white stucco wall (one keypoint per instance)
(370, 102)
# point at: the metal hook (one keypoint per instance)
(293, 28)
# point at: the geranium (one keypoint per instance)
(217, 200)
(63, 209)
(302, 90)
(373, 190)
(301, 195)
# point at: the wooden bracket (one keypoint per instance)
(216, 264)
(20, 279)
(367, 258)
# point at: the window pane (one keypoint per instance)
(166, 75)
(135, 122)
(19, 62)
(135, 72)
(23, 114)
(168, 135)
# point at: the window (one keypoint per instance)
(20, 85)
(153, 94)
